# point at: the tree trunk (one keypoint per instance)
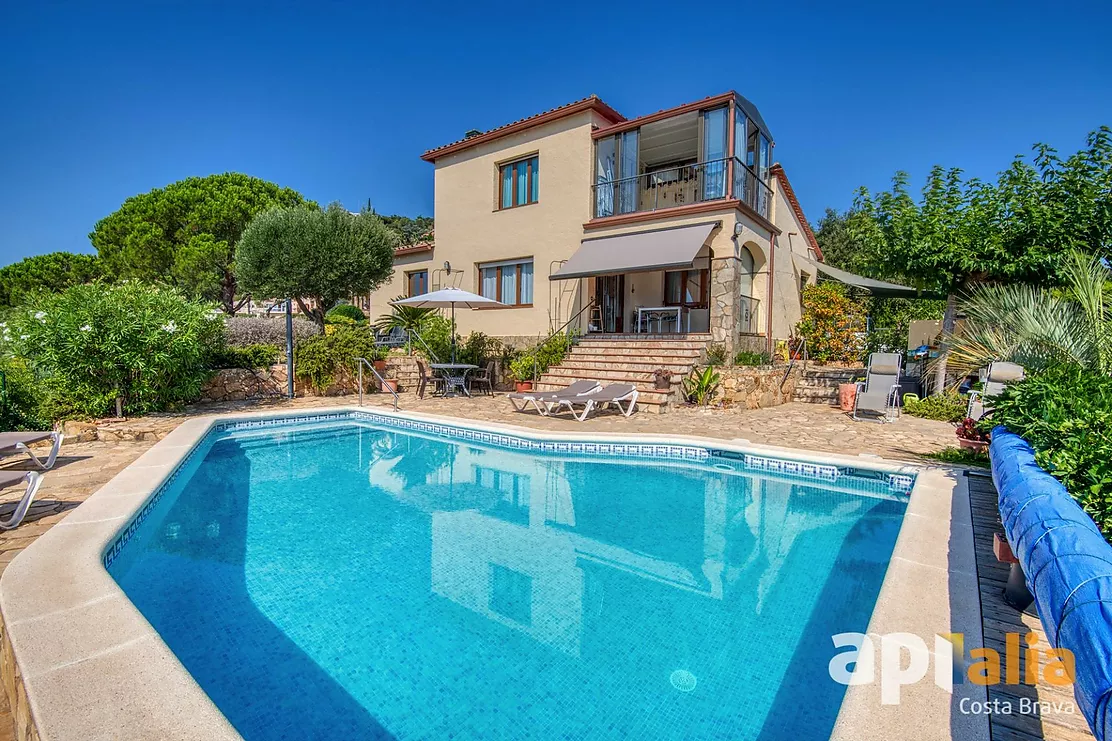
(949, 319)
(228, 294)
(315, 314)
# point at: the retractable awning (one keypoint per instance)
(656, 249)
(876, 287)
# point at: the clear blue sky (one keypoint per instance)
(101, 100)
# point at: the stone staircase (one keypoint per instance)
(820, 385)
(630, 359)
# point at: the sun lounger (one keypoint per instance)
(613, 395)
(12, 443)
(33, 479)
(543, 401)
(999, 374)
(878, 394)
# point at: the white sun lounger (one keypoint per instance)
(613, 395)
(543, 401)
(33, 480)
(12, 443)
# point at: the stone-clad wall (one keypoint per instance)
(757, 387)
(237, 384)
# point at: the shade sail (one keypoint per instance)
(875, 287)
(656, 249)
(447, 297)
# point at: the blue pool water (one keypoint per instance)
(344, 580)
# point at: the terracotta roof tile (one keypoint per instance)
(591, 101)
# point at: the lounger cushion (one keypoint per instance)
(10, 478)
(10, 439)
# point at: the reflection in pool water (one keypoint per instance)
(347, 581)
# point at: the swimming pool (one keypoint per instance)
(370, 577)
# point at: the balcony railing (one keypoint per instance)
(751, 190)
(680, 186)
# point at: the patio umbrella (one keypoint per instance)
(448, 297)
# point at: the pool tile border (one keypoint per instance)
(151, 694)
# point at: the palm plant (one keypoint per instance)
(1039, 327)
(409, 318)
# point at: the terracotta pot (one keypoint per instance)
(380, 366)
(523, 386)
(847, 394)
(978, 445)
(390, 384)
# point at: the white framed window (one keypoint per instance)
(509, 282)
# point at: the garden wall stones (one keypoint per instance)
(237, 384)
(757, 387)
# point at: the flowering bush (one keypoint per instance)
(94, 344)
(832, 324)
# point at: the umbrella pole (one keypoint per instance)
(453, 333)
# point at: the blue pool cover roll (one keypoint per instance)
(1068, 567)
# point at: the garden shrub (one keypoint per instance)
(436, 331)
(891, 320)
(20, 396)
(700, 387)
(745, 357)
(478, 349)
(541, 357)
(347, 311)
(320, 359)
(1065, 413)
(832, 324)
(251, 356)
(91, 344)
(716, 354)
(244, 331)
(949, 406)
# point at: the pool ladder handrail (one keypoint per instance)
(360, 362)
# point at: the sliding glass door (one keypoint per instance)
(715, 130)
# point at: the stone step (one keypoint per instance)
(647, 346)
(644, 336)
(638, 364)
(640, 352)
(614, 373)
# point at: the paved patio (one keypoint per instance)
(82, 468)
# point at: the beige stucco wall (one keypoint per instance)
(470, 229)
(786, 310)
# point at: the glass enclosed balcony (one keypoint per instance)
(692, 157)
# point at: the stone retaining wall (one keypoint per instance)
(757, 387)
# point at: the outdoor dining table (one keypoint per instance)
(455, 376)
(659, 311)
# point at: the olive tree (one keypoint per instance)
(312, 254)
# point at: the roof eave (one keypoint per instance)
(592, 103)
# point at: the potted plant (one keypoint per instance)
(521, 370)
(847, 395)
(662, 379)
(379, 359)
(970, 436)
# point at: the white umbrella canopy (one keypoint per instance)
(449, 297)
